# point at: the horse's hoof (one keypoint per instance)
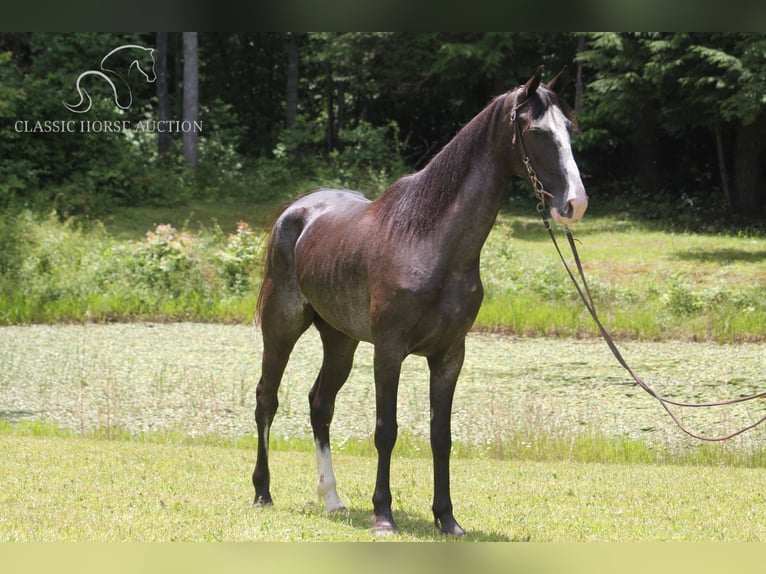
(384, 527)
(455, 530)
(450, 528)
(332, 503)
(263, 501)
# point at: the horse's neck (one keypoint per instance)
(475, 213)
(453, 202)
(465, 227)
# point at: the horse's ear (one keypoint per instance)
(533, 82)
(558, 82)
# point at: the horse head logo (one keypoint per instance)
(135, 55)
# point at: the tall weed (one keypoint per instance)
(65, 270)
(61, 271)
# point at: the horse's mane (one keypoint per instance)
(416, 202)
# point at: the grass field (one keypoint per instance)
(648, 283)
(517, 397)
(145, 432)
(197, 263)
(74, 489)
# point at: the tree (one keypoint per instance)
(579, 86)
(83, 171)
(669, 115)
(686, 107)
(720, 85)
(291, 101)
(191, 96)
(620, 109)
(740, 87)
(163, 100)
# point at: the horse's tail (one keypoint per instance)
(284, 230)
(259, 302)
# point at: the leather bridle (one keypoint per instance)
(585, 295)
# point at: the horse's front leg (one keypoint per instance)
(445, 369)
(387, 366)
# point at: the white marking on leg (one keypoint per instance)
(326, 483)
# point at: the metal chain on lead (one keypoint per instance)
(537, 186)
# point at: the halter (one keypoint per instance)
(585, 295)
(537, 185)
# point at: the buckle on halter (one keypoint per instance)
(513, 114)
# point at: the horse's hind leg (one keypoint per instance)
(285, 316)
(336, 366)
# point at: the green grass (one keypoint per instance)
(532, 399)
(648, 284)
(525, 445)
(135, 431)
(76, 489)
(144, 432)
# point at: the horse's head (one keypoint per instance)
(543, 133)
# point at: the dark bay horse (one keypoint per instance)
(402, 272)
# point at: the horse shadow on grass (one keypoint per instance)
(408, 523)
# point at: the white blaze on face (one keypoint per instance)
(556, 124)
(326, 483)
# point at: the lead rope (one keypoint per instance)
(585, 294)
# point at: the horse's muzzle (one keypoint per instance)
(573, 211)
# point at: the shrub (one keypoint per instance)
(681, 300)
(61, 270)
(240, 259)
(166, 261)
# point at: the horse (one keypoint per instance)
(135, 55)
(402, 272)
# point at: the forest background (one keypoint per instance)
(671, 124)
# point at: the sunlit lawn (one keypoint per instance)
(58, 489)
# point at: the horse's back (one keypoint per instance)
(324, 201)
(303, 213)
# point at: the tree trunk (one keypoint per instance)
(747, 192)
(178, 64)
(341, 123)
(579, 86)
(291, 107)
(191, 96)
(163, 137)
(330, 108)
(724, 173)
